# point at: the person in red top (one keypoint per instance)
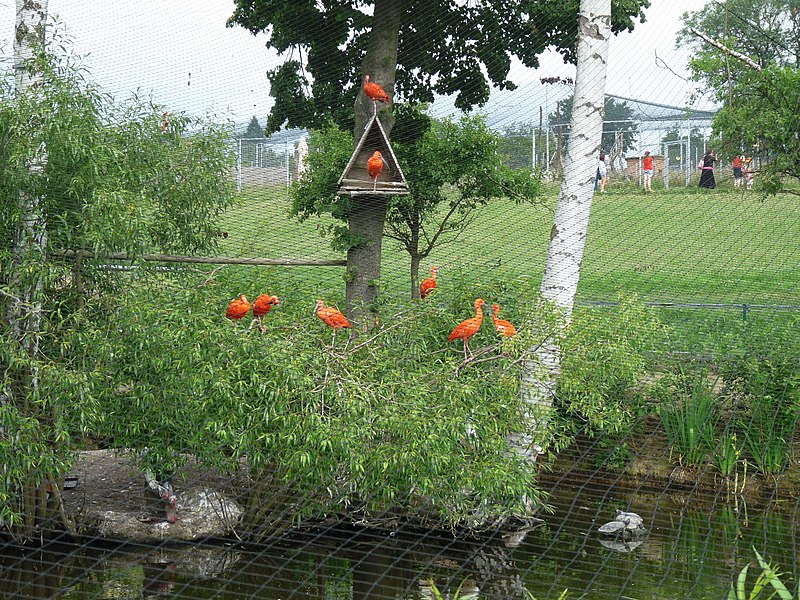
(647, 169)
(737, 171)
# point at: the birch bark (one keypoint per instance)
(30, 241)
(568, 236)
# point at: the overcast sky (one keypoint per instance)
(181, 53)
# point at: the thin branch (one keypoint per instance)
(661, 64)
(708, 39)
(208, 260)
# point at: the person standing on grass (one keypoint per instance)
(647, 169)
(707, 171)
(747, 168)
(737, 171)
(602, 173)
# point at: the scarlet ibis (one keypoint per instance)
(332, 317)
(374, 167)
(238, 309)
(375, 92)
(261, 307)
(162, 488)
(503, 327)
(466, 329)
(429, 284)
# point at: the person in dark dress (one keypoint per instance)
(707, 174)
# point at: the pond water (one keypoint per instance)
(694, 545)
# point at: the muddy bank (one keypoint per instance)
(110, 499)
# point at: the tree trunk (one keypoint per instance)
(368, 212)
(416, 257)
(571, 222)
(30, 238)
(24, 312)
(415, 260)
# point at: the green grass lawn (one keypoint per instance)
(681, 245)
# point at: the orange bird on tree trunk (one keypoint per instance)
(375, 92)
(238, 309)
(374, 167)
(466, 329)
(429, 284)
(503, 327)
(261, 307)
(332, 317)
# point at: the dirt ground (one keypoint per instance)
(111, 492)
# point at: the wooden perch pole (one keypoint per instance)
(745, 59)
(208, 260)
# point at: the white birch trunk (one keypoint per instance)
(571, 222)
(30, 241)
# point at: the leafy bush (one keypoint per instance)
(605, 355)
(107, 179)
(389, 421)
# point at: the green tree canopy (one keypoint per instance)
(767, 31)
(618, 119)
(764, 121)
(452, 167)
(760, 104)
(444, 48)
(254, 129)
(112, 182)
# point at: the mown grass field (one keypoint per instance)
(683, 245)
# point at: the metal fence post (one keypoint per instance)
(239, 167)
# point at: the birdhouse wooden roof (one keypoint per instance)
(356, 180)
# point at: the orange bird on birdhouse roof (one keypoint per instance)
(375, 92)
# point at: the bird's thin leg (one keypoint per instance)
(252, 324)
(374, 184)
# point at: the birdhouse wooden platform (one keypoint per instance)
(356, 181)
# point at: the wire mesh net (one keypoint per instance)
(685, 312)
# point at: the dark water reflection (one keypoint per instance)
(692, 550)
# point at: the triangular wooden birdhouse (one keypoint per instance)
(356, 180)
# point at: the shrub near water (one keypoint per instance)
(605, 356)
(378, 423)
(761, 367)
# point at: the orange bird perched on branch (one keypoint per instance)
(466, 329)
(503, 327)
(375, 92)
(261, 307)
(429, 284)
(374, 167)
(332, 317)
(238, 309)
